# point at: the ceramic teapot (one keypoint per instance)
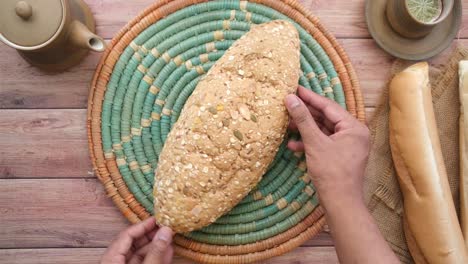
(50, 34)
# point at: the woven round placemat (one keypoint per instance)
(140, 86)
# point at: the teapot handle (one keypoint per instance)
(82, 37)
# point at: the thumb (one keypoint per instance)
(159, 247)
(303, 119)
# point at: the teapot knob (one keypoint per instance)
(23, 9)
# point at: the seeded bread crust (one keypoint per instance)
(229, 129)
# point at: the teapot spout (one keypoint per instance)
(82, 37)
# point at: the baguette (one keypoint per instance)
(418, 257)
(428, 205)
(229, 130)
(463, 73)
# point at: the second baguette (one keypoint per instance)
(413, 247)
(416, 152)
(463, 91)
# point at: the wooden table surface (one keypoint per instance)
(52, 207)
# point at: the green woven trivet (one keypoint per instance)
(140, 86)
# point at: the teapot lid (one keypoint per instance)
(30, 24)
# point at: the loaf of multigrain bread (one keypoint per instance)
(229, 129)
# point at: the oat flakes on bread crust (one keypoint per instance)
(229, 129)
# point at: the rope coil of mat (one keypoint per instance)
(145, 76)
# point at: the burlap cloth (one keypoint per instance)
(382, 191)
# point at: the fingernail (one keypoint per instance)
(292, 101)
(163, 234)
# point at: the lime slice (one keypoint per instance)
(425, 11)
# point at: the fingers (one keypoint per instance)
(325, 130)
(318, 117)
(125, 240)
(159, 251)
(326, 127)
(144, 240)
(292, 126)
(141, 242)
(296, 146)
(141, 229)
(167, 258)
(332, 111)
(303, 119)
(323, 123)
(138, 257)
(151, 234)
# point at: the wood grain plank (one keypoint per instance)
(318, 255)
(56, 213)
(345, 19)
(301, 255)
(45, 213)
(25, 86)
(373, 66)
(49, 143)
(46, 143)
(69, 89)
(51, 256)
(322, 239)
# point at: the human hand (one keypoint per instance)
(141, 243)
(335, 143)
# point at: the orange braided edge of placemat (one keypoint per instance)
(278, 250)
(109, 175)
